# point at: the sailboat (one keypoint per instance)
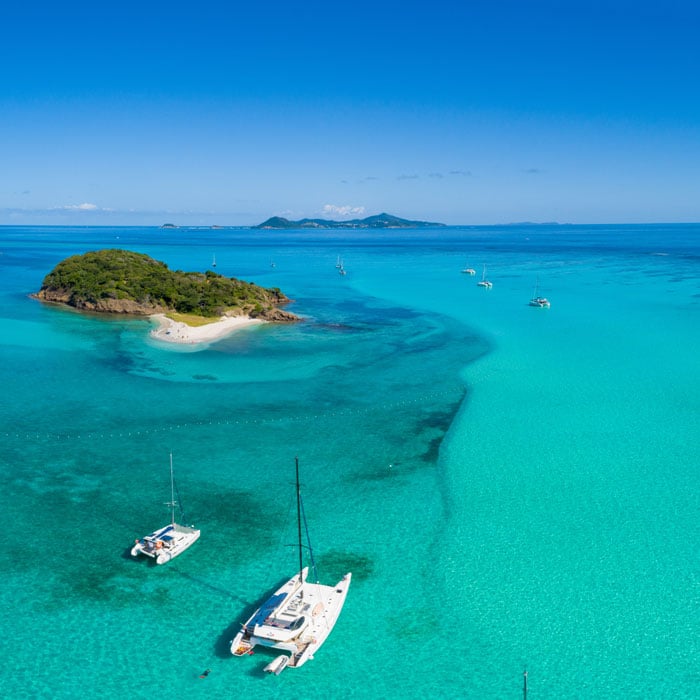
(468, 271)
(338, 262)
(167, 542)
(213, 261)
(537, 300)
(484, 282)
(300, 614)
(341, 268)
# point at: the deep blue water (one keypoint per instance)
(512, 487)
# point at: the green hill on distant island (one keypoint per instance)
(378, 221)
(121, 281)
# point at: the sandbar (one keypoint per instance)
(178, 332)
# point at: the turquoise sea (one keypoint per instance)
(512, 487)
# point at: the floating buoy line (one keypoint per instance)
(144, 432)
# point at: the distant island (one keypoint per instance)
(378, 221)
(121, 281)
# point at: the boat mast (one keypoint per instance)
(301, 556)
(525, 684)
(172, 493)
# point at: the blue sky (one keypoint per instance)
(458, 112)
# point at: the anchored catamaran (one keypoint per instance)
(298, 617)
(537, 300)
(167, 542)
(484, 282)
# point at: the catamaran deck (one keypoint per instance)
(166, 543)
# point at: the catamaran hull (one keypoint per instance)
(324, 625)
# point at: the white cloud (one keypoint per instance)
(85, 206)
(344, 210)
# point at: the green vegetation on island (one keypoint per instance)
(121, 281)
(378, 221)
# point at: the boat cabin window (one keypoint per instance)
(297, 623)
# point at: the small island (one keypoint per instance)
(189, 306)
(371, 222)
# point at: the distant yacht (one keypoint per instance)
(213, 262)
(341, 268)
(339, 262)
(484, 282)
(537, 300)
(167, 542)
(468, 271)
(299, 616)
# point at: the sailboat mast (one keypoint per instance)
(172, 493)
(301, 556)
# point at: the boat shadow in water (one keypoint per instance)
(335, 561)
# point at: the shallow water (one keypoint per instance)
(511, 487)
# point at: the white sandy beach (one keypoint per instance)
(178, 332)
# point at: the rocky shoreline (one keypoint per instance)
(136, 308)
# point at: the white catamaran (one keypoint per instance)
(484, 282)
(298, 617)
(537, 300)
(167, 542)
